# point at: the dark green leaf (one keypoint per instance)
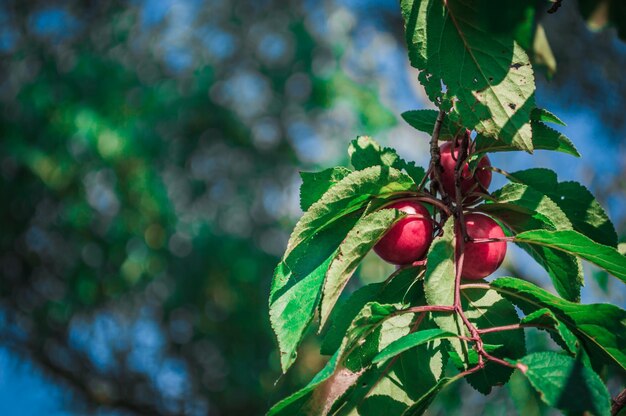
(565, 383)
(541, 114)
(409, 341)
(297, 284)
(544, 317)
(601, 327)
(486, 309)
(400, 289)
(424, 120)
(315, 184)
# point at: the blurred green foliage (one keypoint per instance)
(144, 184)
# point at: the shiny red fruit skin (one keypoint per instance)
(482, 259)
(409, 238)
(448, 162)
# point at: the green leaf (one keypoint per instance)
(565, 383)
(315, 184)
(424, 120)
(526, 197)
(298, 278)
(487, 75)
(348, 195)
(544, 317)
(343, 315)
(522, 208)
(440, 268)
(359, 241)
(409, 341)
(577, 244)
(396, 384)
(366, 152)
(297, 284)
(335, 378)
(402, 287)
(439, 283)
(487, 309)
(377, 320)
(541, 114)
(601, 327)
(543, 138)
(582, 209)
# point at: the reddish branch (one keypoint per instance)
(455, 208)
(427, 308)
(512, 327)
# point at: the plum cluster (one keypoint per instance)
(408, 240)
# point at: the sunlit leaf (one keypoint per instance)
(359, 241)
(366, 152)
(494, 92)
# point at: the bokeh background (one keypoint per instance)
(149, 158)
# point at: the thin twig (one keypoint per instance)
(512, 327)
(426, 308)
